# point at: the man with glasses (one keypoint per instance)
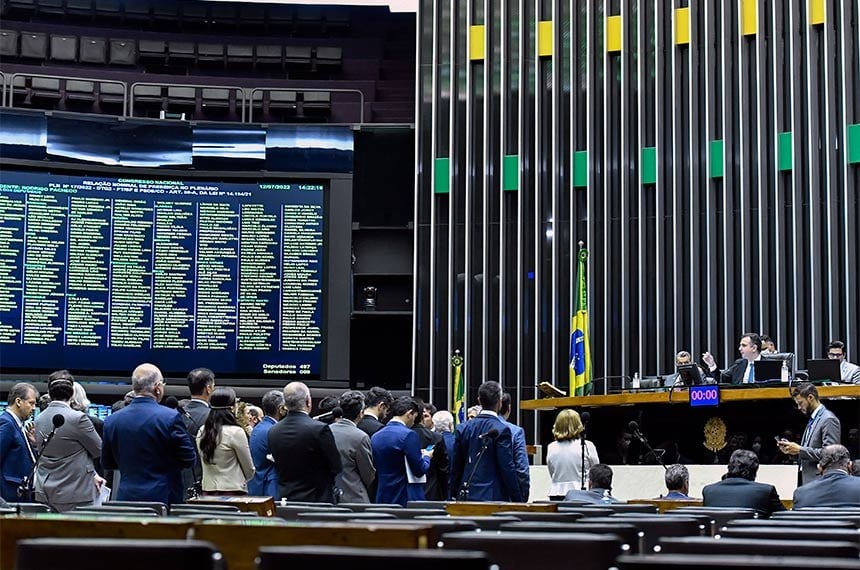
(17, 442)
(148, 443)
(850, 372)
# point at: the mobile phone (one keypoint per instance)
(430, 447)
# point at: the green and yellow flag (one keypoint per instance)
(459, 389)
(580, 345)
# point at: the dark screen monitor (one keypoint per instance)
(690, 374)
(767, 370)
(824, 369)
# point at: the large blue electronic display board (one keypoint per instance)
(98, 274)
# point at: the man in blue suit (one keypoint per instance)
(16, 451)
(521, 456)
(493, 477)
(397, 447)
(148, 443)
(265, 481)
(836, 487)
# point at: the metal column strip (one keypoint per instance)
(813, 195)
(660, 187)
(431, 301)
(452, 210)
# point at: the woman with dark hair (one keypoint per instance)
(223, 446)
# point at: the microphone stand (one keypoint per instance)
(463, 495)
(644, 441)
(26, 490)
(582, 469)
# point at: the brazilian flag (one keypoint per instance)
(580, 345)
(459, 390)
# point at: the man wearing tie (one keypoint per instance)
(16, 442)
(823, 429)
(742, 371)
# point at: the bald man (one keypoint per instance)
(148, 443)
(305, 453)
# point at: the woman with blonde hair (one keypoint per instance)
(224, 450)
(564, 455)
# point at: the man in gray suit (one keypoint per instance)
(353, 445)
(823, 429)
(201, 384)
(66, 477)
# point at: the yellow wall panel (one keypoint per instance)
(545, 38)
(613, 33)
(749, 17)
(682, 26)
(476, 42)
(816, 12)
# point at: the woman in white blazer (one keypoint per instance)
(223, 447)
(564, 455)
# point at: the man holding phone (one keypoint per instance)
(436, 487)
(823, 429)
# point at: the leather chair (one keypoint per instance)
(325, 516)
(315, 557)
(706, 545)
(788, 533)
(529, 550)
(655, 527)
(408, 513)
(291, 512)
(541, 517)
(484, 523)
(108, 554)
(189, 508)
(160, 507)
(361, 507)
(721, 562)
(116, 511)
(628, 534)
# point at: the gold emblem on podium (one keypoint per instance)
(715, 434)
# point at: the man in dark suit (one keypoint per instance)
(521, 456)
(66, 477)
(739, 489)
(494, 477)
(397, 453)
(599, 487)
(822, 429)
(378, 403)
(201, 384)
(148, 443)
(438, 475)
(677, 479)
(742, 371)
(353, 445)
(306, 457)
(836, 487)
(16, 442)
(265, 481)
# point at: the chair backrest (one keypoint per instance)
(123, 52)
(852, 535)
(484, 523)
(655, 527)
(161, 508)
(624, 508)
(812, 526)
(529, 550)
(108, 554)
(361, 507)
(292, 512)
(407, 513)
(315, 557)
(200, 508)
(717, 515)
(64, 48)
(30, 508)
(34, 45)
(9, 43)
(92, 50)
(540, 517)
(627, 533)
(117, 511)
(426, 504)
(720, 562)
(587, 511)
(347, 516)
(705, 545)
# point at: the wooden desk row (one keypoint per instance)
(681, 396)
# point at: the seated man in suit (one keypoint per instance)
(850, 372)
(677, 482)
(836, 487)
(739, 489)
(489, 437)
(599, 487)
(306, 457)
(149, 444)
(742, 370)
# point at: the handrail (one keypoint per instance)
(194, 85)
(302, 90)
(2, 89)
(71, 78)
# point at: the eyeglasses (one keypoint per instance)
(835, 355)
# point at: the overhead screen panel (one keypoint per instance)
(100, 273)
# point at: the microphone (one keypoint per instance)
(585, 416)
(25, 489)
(634, 427)
(58, 421)
(492, 434)
(170, 402)
(330, 416)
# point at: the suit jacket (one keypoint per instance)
(736, 371)
(833, 489)
(356, 459)
(64, 478)
(370, 425)
(265, 481)
(824, 429)
(194, 416)
(739, 492)
(395, 446)
(232, 466)
(150, 446)
(306, 458)
(521, 459)
(594, 495)
(495, 477)
(16, 462)
(439, 473)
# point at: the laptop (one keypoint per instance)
(824, 369)
(767, 371)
